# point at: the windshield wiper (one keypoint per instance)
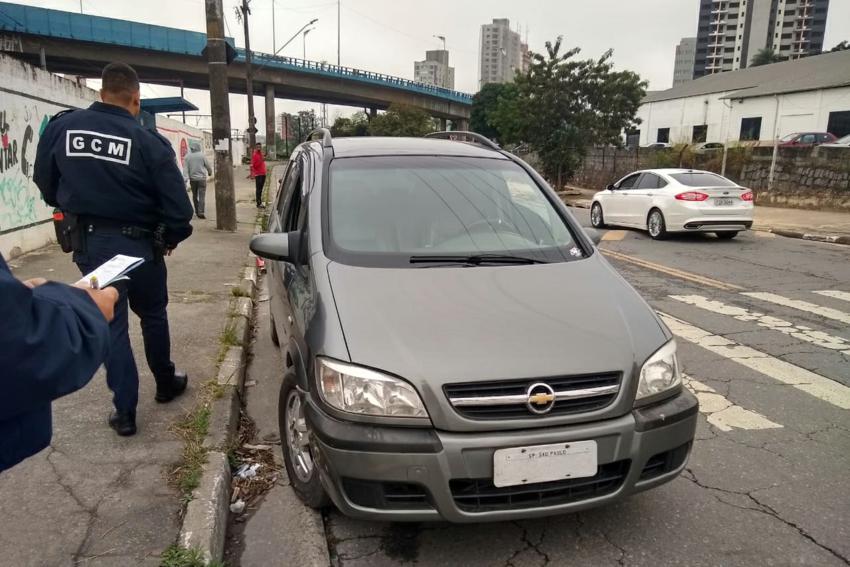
(475, 259)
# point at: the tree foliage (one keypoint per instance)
(400, 120)
(563, 105)
(486, 103)
(355, 125)
(765, 56)
(843, 46)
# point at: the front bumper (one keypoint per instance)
(398, 474)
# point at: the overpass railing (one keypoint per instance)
(329, 70)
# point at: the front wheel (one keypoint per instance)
(298, 455)
(656, 226)
(596, 217)
(727, 235)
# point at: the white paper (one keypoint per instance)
(222, 145)
(111, 271)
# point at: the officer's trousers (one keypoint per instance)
(146, 293)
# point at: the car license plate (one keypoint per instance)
(544, 463)
(724, 202)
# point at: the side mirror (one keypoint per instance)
(594, 235)
(278, 246)
(610, 187)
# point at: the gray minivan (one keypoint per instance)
(455, 346)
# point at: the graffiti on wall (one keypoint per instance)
(22, 121)
(11, 43)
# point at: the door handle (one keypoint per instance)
(649, 194)
(289, 319)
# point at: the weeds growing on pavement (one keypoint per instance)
(238, 292)
(176, 556)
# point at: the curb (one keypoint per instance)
(831, 238)
(204, 526)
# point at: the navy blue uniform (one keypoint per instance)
(102, 165)
(52, 340)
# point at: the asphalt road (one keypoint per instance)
(765, 343)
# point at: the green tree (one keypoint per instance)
(355, 125)
(765, 56)
(485, 117)
(843, 46)
(563, 105)
(400, 120)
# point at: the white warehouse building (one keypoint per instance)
(754, 104)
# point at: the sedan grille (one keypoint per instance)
(518, 399)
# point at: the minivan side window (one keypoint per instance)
(293, 206)
(282, 194)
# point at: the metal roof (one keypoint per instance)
(828, 70)
(167, 104)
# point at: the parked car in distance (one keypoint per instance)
(806, 139)
(455, 346)
(839, 143)
(658, 146)
(707, 148)
(662, 201)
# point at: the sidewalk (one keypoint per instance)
(97, 499)
(794, 223)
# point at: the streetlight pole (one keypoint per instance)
(274, 41)
(338, 64)
(304, 41)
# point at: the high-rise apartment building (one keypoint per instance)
(686, 51)
(502, 53)
(435, 70)
(731, 32)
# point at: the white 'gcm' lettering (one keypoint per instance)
(78, 142)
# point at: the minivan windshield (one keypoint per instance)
(401, 210)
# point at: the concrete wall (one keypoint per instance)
(29, 96)
(182, 135)
(797, 111)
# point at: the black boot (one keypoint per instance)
(124, 423)
(167, 391)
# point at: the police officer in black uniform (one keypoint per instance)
(120, 185)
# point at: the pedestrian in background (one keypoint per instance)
(121, 185)
(258, 172)
(52, 341)
(196, 169)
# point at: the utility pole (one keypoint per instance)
(249, 77)
(338, 64)
(274, 41)
(225, 200)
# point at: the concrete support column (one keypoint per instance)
(461, 124)
(373, 112)
(443, 126)
(271, 146)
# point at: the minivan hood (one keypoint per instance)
(439, 325)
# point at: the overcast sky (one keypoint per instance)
(387, 36)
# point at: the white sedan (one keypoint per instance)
(662, 201)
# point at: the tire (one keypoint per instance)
(273, 331)
(655, 225)
(303, 474)
(727, 234)
(597, 220)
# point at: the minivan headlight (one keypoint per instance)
(660, 372)
(359, 390)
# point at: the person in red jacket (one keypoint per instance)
(258, 172)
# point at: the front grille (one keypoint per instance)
(386, 495)
(507, 399)
(665, 462)
(481, 495)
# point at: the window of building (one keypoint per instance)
(751, 128)
(663, 135)
(699, 134)
(839, 123)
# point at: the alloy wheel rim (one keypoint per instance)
(595, 215)
(297, 438)
(655, 224)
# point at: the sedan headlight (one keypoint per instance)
(359, 390)
(660, 373)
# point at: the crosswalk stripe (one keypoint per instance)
(835, 294)
(722, 413)
(827, 312)
(800, 332)
(785, 372)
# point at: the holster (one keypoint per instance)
(69, 232)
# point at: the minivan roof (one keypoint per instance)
(385, 146)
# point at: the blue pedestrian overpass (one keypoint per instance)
(81, 44)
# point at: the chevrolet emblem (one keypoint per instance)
(540, 398)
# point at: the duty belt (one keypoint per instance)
(94, 224)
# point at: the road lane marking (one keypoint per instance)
(835, 294)
(695, 278)
(785, 372)
(613, 235)
(800, 332)
(800, 305)
(722, 413)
